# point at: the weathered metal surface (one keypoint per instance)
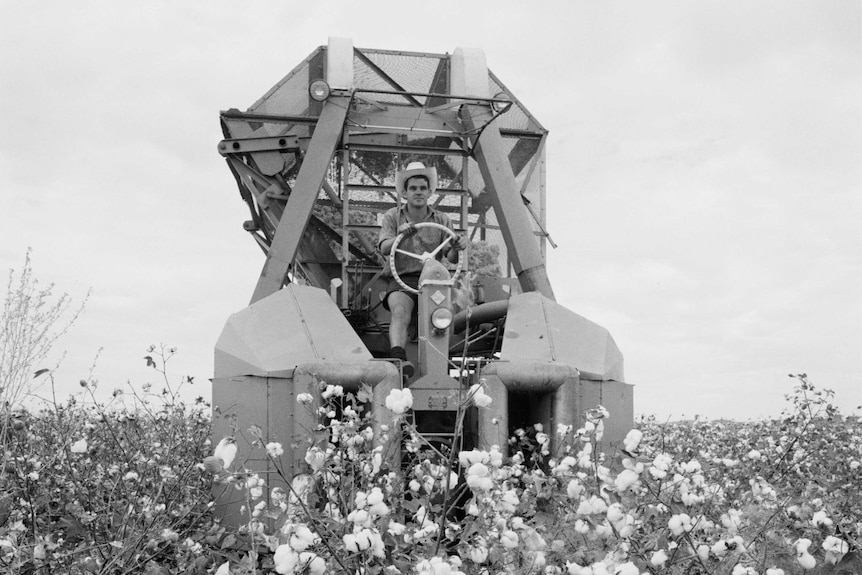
(555, 383)
(538, 329)
(298, 324)
(270, 404)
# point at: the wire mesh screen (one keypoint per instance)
(290, 96)
(382, 70)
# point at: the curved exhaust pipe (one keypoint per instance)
(479, 314)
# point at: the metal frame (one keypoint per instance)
(284, 164)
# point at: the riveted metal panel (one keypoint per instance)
(538, 329)
(298, 324)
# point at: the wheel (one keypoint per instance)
(422, 257)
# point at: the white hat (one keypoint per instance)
(416, 169)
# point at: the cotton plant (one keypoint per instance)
(104, 486)
(701, 497)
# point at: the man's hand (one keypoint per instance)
(459, 242)
(407, 228)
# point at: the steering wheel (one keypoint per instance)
(422, 257)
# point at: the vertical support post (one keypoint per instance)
(345, 222)
(465, 196)
(565, 407)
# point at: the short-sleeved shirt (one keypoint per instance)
(423, 240)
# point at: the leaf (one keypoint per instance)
(150, 362)
(40, 372)
(228, 541)
(365, 393)
(5, 508)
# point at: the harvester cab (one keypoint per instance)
(314, 160)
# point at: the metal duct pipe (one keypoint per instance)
(561, 380)
(489, 311)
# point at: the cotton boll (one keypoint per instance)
(509, 539)
(509, 501)
(679, 523)
(626, 479)
(304, 399)
(479, 554)
(574, 489)
(79, 446)
(582, 527)
(632, 440)
(302, 538)
(479, 397)
(806, 560)
(835, 549)
(399, 401)
(285, 559)
(518, 523)
(821, 520)
(226, 451)
(615, 513)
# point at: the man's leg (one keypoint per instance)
(401, 309)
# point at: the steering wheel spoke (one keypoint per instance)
(411, 254)
(425, 256)
(440, 247)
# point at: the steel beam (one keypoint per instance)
(311, 176)
(470, 78)
(514, 219)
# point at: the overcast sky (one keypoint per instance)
(703, 174)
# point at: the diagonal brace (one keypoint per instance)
(488, 150)
(311, 176)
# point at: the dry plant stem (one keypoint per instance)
(30, 325)
(809, 421)
(317, 525)
(456, 440)
(457, 436)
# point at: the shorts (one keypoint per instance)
(411, 279)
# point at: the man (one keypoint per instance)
(415, 183)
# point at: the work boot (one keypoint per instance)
(407, 367)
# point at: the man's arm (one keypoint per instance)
(387, 234)
(457, 244)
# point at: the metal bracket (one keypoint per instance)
(248, 145)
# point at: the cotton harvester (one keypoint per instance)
(314, 160)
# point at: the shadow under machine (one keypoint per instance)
(314, 160)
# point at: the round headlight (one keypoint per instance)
(501, 102)
(441, 318)
(319, 90)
